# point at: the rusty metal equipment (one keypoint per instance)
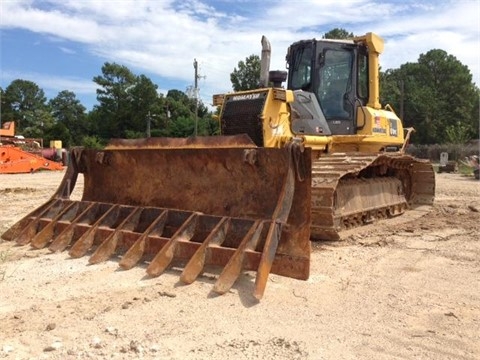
(14, 160)
(168, 201)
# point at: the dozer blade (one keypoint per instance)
(226, 204)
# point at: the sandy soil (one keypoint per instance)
(390, 291)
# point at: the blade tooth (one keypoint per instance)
(234, 266)
(165, 256)
(27, 228)
(106, 249)
(86, 240)
(61, 242)
(268, 255)
(67, 234)
(196, 264)
(109, 245)
(16, 229)
(134, 254)
(136, 251)
(27, 233)
(41, 238)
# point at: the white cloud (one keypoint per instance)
(53, 84)
(163, 37)
(67, 50)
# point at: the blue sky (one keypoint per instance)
(62, 44)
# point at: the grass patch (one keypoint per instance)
(465, 170)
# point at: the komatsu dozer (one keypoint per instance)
(294, 163)
(360, 172)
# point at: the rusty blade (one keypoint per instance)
(182, 179)
(136, 251)
(161, 261)
(197, 262)
(229, 186)
(234, 266)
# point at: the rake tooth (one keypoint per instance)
(109, 245)
(234, 266)
(195, 265)
(85, 242)
(266, 260)
(16, 229)
(134, 254)
(25, 229)
(106, 249)
(61, 242)
(165, 256)
(41, 238)
(136, 251)
(28, 233)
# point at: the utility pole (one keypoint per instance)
(195, 92)
(149, 120)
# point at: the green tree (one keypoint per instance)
(128, 104)
(25, 103)
(436, 96)
(144, 106)
(247, 76)
(58, 131)
(176, 117)
(116, 83)
(338, 33)
(182, 114)
(69, 112)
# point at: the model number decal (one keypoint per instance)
(245, 97)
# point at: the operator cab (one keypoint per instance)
(336, 73)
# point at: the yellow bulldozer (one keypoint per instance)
(291, 164)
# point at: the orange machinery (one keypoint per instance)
(14, 160)
(7, 130)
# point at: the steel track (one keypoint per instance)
(350, 190)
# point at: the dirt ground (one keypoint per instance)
(394, 290)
